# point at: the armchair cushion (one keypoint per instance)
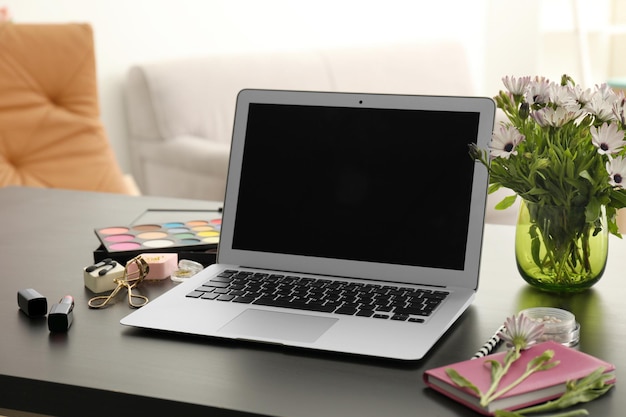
(50, 131)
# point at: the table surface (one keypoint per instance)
(105, 368)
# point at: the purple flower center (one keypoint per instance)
(617, 178)
(508, 147)
(604, 147)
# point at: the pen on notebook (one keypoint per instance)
(490, 345)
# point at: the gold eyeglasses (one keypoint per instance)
(129, 281)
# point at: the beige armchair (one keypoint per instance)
(50, 129)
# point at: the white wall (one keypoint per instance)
(503, 36)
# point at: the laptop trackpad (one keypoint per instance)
(254, 323)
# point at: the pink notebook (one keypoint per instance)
(539, 387)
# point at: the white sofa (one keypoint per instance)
(180, 111)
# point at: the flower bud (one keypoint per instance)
(474, 151)
(566, 79)
(524, 111)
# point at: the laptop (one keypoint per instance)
(352, 223)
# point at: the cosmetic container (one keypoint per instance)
(559, 325)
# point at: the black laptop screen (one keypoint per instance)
(374, 185)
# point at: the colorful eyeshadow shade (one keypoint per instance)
(146, 227)
(119, 238)
(202, 228)
(208, 234)
(194, 223)
(158, 243)
(125, 246)
(173, 224)
(152, 235)
(214, 239)
(216, 221)
(113, 230)
(178, 230)
(190, 241)
(184, 236)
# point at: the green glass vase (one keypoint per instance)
(557, 249)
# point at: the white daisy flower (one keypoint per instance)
(521, 332)
(516, 86)
(538, 91)
(617, 172)
(607, 138)
(548, 116)
(619, 109)
(582, 96)
(606, 92)
(601, 104)
(564, 96)
(504, 141)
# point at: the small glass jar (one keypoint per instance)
(558, 325)
(186, 269)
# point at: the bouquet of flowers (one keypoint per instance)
(562, 146)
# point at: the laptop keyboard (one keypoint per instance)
(322, 295)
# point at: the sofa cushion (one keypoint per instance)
(50, 131)
(191, 154)
(427, 67)
(196, 96)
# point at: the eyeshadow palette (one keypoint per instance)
(193, 234)
(159, 236)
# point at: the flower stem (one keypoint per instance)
(538, 366)
(524, 412)
(548, 407)
(511, 357)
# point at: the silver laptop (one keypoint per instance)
(352, 223)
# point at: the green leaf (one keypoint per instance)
(618, 198)
(496, 369)
(506, 202)
(592, 211)
(535, 244)
(505, 413)
(493, 188)
(545, 356)
(586, 176)
(536, 191)
(586, 389)
(461, 381)
(614, 230)
(542, 362)
(548, 365)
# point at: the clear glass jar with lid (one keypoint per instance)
(558, 325)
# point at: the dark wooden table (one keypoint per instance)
(100, 368)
